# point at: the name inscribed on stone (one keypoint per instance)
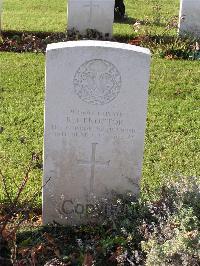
(89, 123)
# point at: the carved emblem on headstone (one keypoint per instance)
(97, 82)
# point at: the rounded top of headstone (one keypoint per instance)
(103, 44)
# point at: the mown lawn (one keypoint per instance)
(50, 16)
(168, 227)
(171, 146)
(172, 136)
(22, 93)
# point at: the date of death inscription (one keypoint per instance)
(88, 124)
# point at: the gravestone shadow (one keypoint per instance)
(131, 21)
(125, 20)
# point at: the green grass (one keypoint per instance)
(149, 12)
(22, 93)
(34, 15)
(50, 16)
(172, 136)
(172, 142)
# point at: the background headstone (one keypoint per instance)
(91, 14)
(95, 113)
(189, 18)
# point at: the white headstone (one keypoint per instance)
(95, 114)
(189, 18)
(91, 14)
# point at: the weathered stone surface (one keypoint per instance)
(189, 18)
(95, 113)
(91, 14)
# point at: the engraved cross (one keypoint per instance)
(91, 5)
(93, 163)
